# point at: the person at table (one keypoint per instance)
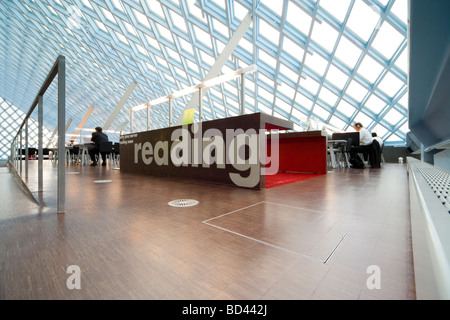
(366, 147)
(376, 137)
(97, 137)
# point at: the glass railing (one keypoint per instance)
(21, 150)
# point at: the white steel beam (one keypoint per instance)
(119, 106)
(221, 60)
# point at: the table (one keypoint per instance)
(341, 144)
(56, 156)
(82, 156)
(83, 153)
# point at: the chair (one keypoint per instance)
(74, 153)
(338, 150)
(32, 153)
(116, 152)
(83, 154)
(106, 148)
(45, 153)
(21, 154)
(68, 156)
(346, 152)
(374, 155)
(341, 152)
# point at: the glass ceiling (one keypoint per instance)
(329, 61)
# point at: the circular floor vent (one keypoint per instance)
(183, 203)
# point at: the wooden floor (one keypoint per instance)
(313, 239)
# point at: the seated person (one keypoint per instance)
(97, 137)
(366, 147)
(376, 137)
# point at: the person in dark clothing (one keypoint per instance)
(97, 137)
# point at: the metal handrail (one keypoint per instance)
(58, 69)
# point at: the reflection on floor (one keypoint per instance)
(282, 178)
(313, 239)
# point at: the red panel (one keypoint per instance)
(302, 154)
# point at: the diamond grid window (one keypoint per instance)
(267, 59)
(375, 104)
(356, 91)
(288, 73)
(268, 32)
(400, 9)
(348, 53)
(337, 9)
(220, 28)
(298, 18)
(155, 7)
(380, 131)
(390, 84)
(402, 62)
(369, 69)
(275, 6)
(293, 48)
(337, 77)
(317, 63)
(321, 112)
(387, 40)
(8, 129)
(337, 123)
(287, 90)
(346, 108)
(329, 97)
(168, 45)
(310, 85)
(325, 35)
(363, 118)
(304, 101)
(363, 19)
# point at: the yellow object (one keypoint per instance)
(188, 116)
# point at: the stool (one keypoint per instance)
(68, 156)
(84, 155)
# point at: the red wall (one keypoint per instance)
(302, 152)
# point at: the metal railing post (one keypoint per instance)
(61, 134)
(40, 151)
(200, 104)
(20, 154)
(242, 106)
(131, 120)
(148, 117)
(170, 112)
(27, 153)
